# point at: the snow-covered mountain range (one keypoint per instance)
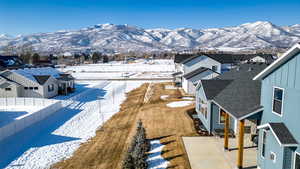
(125, 38)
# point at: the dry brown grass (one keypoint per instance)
(107, 149)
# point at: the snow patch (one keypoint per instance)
(179, 104)
(155, 159)
(187, 98)
(164, 97)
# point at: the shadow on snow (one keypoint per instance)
(40, 133)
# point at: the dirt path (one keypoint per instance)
(106, 150)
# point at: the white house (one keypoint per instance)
(35, 82)
(191, 79)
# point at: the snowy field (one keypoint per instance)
(114, 70)
(60, 135)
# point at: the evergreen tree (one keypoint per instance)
(35, 58)
(95, 57)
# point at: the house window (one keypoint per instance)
(35, 88)
(273, 157)
(222, 116)
(263, 145)
(50, 88)
(297, 161)
(7, 89)
(277, 100)
(26, 88)
(30, 88)
(214, 68)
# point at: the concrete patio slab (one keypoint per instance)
(208, 153)
(203, 153)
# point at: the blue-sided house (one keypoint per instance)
(279, 132)
(230, 104)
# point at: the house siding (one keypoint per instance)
(188, 84)
(215, 116)
(286, 77)
(200, 95)
(14, 92)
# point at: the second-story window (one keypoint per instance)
(277, 100)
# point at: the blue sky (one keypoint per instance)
(33, 16)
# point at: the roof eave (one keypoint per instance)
(287, 55)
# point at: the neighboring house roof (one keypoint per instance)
(190, 58)
(292, 52)
(36, 75)
(224, 58)
(213, 87)
(41, 79)
(176, 73)
(29, 73)
(281, 133)
(179, 58)
(241, 97)
(195, 72)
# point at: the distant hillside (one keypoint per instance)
(110, 38)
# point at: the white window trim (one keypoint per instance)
(280, 115)
(275, 157)
(219, 121)
(262, 142)
(294, 161)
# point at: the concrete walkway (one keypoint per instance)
(204, 153)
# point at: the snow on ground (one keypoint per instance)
(179, 103)
(164, 97)
(140, 69)
(155, 159)
(187, 98)
(170, 87)
(143, 65)
(60, 135)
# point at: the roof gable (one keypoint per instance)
(282, 134)
(41, 79)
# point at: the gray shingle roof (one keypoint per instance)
(190, 58)
(213, 87)
(242, 95)
(176, 73)
(42, 79)
(283, 133)
(195, 72)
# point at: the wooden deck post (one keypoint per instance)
(241, 144)
(226, 131)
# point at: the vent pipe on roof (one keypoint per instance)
(238, 68)
(250, 69)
